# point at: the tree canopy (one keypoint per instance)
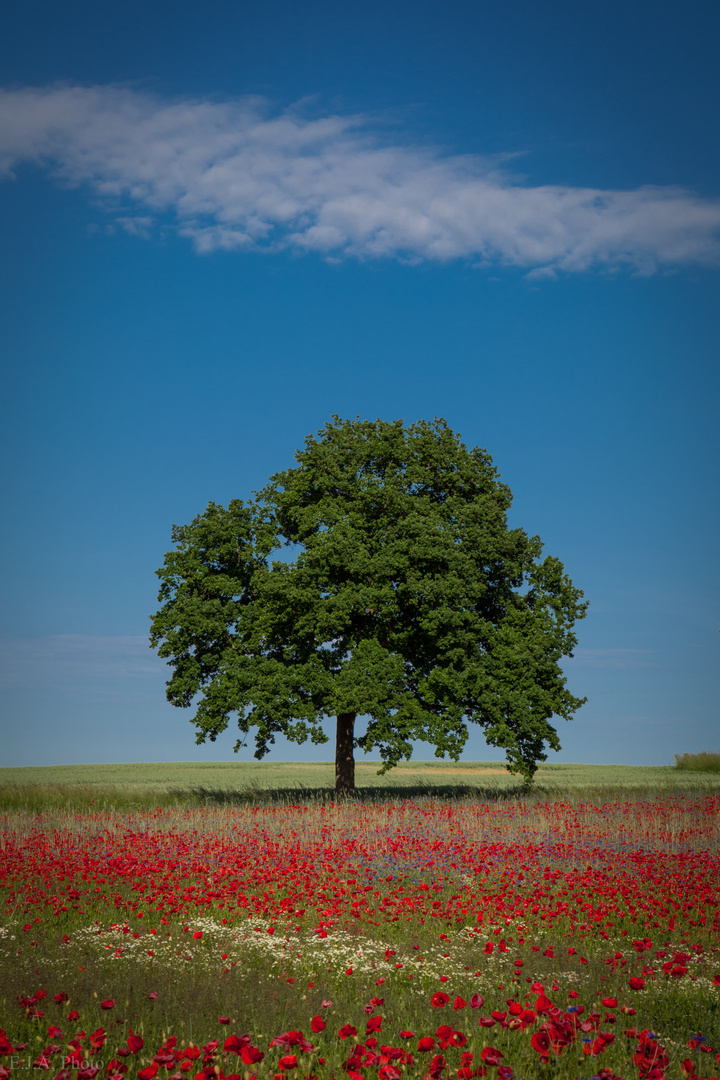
(405, 599)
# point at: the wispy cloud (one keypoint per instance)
(613, 658)
(233, 175)
(80, 665)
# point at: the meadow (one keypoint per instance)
(437, 925)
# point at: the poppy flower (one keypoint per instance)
(135, 1042)
(317, 1024)
(491, 1056)
(636, 983)
(389, 1072)
(439, 999)
(235, 1044)
(426, 1044)
(540, 1042)
(108, 1004)
(251, 1055)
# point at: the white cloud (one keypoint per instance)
(231, 175)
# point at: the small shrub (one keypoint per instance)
(705, 761)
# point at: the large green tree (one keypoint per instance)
(407, 600)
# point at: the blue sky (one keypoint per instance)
(220, 224)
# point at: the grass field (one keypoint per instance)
(224, 921)
(227, 782)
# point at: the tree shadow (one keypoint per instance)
(371, 794)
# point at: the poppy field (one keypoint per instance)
(572, 938)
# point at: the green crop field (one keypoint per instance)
(181, 782)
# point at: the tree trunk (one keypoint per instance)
(344, 756)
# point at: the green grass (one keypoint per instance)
(227, 782)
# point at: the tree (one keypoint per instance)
(408, 601)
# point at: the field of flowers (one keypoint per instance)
(569, 939)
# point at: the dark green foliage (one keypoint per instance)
(409, 601)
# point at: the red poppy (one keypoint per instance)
(109, 1004)
(252, 1055)
(439, 999)
(426, 1044)
(235, 1044)
(636, 983)
(491, 1056)
(540, 1041)
(317, 1024)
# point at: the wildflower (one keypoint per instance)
(491, 1056)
